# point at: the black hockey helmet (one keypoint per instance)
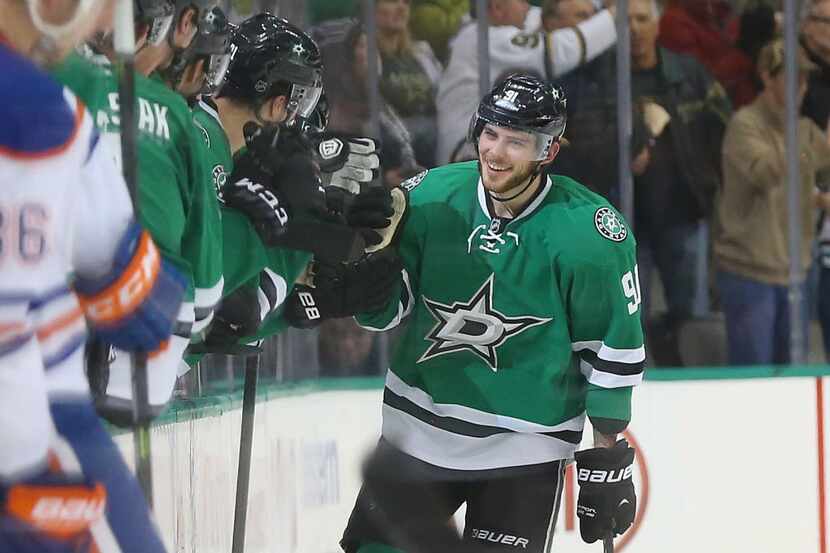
(158, 15)
(523, 103)
(272, 57)
(211, 43)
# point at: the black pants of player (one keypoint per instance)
(407, 504)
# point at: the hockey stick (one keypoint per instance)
(246, 441)
(608, 544)
(124, 42)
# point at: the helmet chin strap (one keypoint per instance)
(535, 173)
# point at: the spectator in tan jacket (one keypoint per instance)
(751, 248)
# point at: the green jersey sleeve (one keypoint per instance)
(602, 296)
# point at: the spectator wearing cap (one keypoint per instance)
(751, 246)
(517, 43)
(409, 76)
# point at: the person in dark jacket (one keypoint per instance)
(815, 38)
(680, 113)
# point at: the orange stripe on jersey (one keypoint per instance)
(60, 323)
(125, 295)
(11, 328)
(159, 350)
(59, 511)
(56, 150)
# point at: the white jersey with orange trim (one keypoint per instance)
(60, 216)
(512, 50)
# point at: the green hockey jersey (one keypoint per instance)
(245, 256)
(177, 204)
(517, 327)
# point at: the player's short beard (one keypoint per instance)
(515, 183)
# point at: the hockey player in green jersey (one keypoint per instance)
(200, 68)
(176, 199)
(522, 302)
(274, 79)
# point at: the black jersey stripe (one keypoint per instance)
(465, 428)
(611, 367)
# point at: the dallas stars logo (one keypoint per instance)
(474, 326)
(609, 225)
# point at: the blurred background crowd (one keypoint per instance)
(708, 156)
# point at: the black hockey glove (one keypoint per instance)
(251, 190)
(346, 161)
(607, 502)
(274, 180)
(344, 289)
(369, 209)
(270, 147)
(238, 316)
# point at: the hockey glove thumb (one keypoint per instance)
(390, 233)
(607, 502)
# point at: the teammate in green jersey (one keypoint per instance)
(274, 69)
(200, 68)
(176, 200)
(523, 318)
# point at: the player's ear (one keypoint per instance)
(186, 27)
(193, 76)
(275, 109)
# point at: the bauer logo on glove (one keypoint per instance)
(607, 502)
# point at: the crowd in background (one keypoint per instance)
(708, 147)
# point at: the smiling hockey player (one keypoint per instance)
(523, 306)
